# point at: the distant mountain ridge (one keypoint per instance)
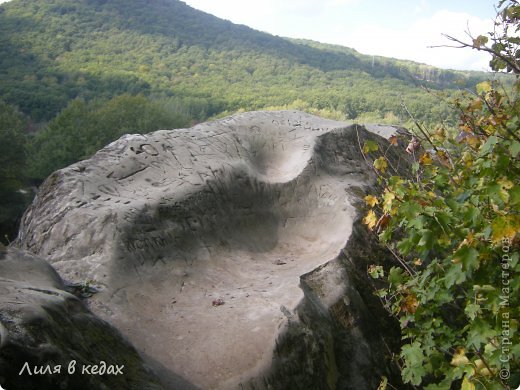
(53, 51)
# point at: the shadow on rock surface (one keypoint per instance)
(50, 340)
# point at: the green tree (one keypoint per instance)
(54, 52)
(12, 165)
(455, 231)
(83, 128)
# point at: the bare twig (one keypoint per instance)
(401, 261)
(515, 67)
(423, 131)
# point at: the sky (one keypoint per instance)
(392, 28)
(401, 29)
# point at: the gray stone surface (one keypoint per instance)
(203, 241)
(48, 337)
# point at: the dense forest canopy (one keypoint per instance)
(57, 50)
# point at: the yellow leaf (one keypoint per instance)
(393, 140)
(505, 228)
(504, 195)
(439, 135)
(479, 364)
(467, 385)
(381, 164)
(388, 198)
(476, 104)
(484, 86)
(443, 158)
(383, 384)
(370, 219)
(444, 240)
(425, 159)
(371, 200)
(459, 358)
(409, 303)
(468, 241)
(473, 141)
(505, 183)
(468, 159)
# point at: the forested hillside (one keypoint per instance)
(53, 51)
(77, 74)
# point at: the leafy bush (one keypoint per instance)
(454, 229)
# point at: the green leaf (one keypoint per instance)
(480, 333)
(445, 384)
(485, 287)
(463, 196)
(415, 167)
(454, 275)
(413, 354)
(410, 209)
(413, 371)
(427, 239)
(406, 245)
(467, 256)
(514, 196)
(395, 276)
(370, 146)
(444, 220)
(376, 271)
(416, 223)
(515, 149)
(385, 235)
(479, 42)
(488, 145)
(472, 214)
(452, 204)
(472, 310)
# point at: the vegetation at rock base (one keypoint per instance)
(454, 228)
(12, 163)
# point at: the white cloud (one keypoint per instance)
(423, 6)
(338, 21)
(237, 11)
(414, 41)
(272, 13)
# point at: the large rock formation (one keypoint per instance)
(222, 251)
(49, 340)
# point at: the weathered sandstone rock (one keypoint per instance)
(222, 251)
(50, 340)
